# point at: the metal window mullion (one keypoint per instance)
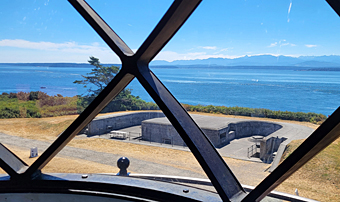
(212, 163)
(119, 82)
(104, 30)
(171, 22)
(335, 4)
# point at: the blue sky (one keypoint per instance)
(52, 31)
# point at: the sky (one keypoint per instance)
(53, 31)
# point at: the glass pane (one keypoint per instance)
(55, 68)
(131, 20)
(261, 75)
(319, 178)
(133, 128)
(257, 77)
(38, 99)
(43, 53)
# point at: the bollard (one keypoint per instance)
(123, 163)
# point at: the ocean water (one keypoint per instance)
(275, 89)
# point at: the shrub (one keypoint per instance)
(36, 104)
(258, 112)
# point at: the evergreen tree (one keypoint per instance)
(99, 77)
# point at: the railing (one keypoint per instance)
(251, 150)
(137, 137)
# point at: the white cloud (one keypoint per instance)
(50, 46)
(288, 44)
(171, 56)
(272, 45)
(209, 47)
(54, 52)
(310, 46)
(19, 50)
(281, 43)
(224, 49)
(290, 7)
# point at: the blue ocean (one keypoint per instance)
(272, 88)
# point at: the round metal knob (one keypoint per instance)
(123, 163)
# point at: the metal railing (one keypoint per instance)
(137, 137)
(251, 150)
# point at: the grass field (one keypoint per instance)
(319, 179)
(65, 165)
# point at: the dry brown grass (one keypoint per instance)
(51, 127)
(319, 179)
(64, 164)
(46, 129)
(170, 157)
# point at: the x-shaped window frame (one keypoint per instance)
(135, 65)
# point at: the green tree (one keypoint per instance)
(99, 77)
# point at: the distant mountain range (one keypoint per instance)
(260, 60)
(264, 61)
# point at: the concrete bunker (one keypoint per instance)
(155, 127)
(219, 130)
(108, 123)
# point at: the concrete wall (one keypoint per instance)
(219, 137)
(251, 128)
(102, 124)
(163, 133)
(268, 146)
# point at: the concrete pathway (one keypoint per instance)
(247, 173)
(136, 165)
